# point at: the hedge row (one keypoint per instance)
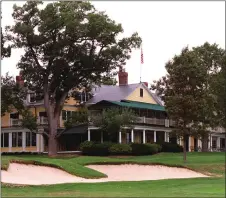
(107, 148)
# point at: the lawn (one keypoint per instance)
(208, 163)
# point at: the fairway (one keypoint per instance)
(212, 164)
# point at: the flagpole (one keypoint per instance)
(141, 62)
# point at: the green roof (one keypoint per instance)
(139, 105)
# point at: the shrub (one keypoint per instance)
(120, 149)
(86, 144)
(171, 147)
(95, 149)
(153, 148)
(159, 147)
(21, 153)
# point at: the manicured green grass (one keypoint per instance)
(209, 163)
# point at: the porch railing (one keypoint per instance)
(15, 122)
(42, 120)
(154, 121)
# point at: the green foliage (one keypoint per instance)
(78, 117)
(96, 149)
(5, 50)
(86, 144)
(29, 121)
(12, 95)
(67, 45)
(112, 120)
(144, 149)
(120, 149)
(107, 80)
(186, 89)
(170, 147)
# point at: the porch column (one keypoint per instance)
(218, 143)
(88, 134)
(10, 142)
(154, 136)
(24, 141)
(144, 137)
(102, 138)
(189, 143)
(132, 136)
(42, 143)
(166, 137)
(199, 143)
(37, 142)
(210, 142)
(120, 137)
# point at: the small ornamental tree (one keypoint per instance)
(113, 120)
(67, 45)
(77, 117)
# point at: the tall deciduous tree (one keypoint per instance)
(186, 90)
(5, 50)
(67, 45)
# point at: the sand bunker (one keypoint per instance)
(40, 175)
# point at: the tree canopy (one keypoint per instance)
(5, 50)
(186, 90)
(66, 45)
(12, 95)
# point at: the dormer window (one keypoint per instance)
(32, 97)
(141, 92)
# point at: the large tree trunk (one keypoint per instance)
(53, 141)
(205, 141)
(184, 149)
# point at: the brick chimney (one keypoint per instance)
(122, 77)
(19, 80)
(146, 84)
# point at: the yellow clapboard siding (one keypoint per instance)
(135, 96)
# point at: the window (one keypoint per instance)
(17, 139)
(128, 137)
(5, 140)
(141, 92)
(2, 140)
(30, 139)
(66, 114)
(42, 114)
(32, 97)
(33, 139)
(214, 143)
(14, 115)
(222, 143)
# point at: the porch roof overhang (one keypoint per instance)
(77, 129)
(131, 104)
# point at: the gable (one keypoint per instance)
(135, 96)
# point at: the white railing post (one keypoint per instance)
(144, 120)
(10, 142)
(102, 138)
(144, 136)
(88, 134)
(24, 141)
(154, 136)
(120, 137)
(132, 136)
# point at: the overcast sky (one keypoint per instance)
(165, 27)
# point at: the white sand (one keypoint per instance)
(40, 175)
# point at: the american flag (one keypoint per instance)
(142, 56)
